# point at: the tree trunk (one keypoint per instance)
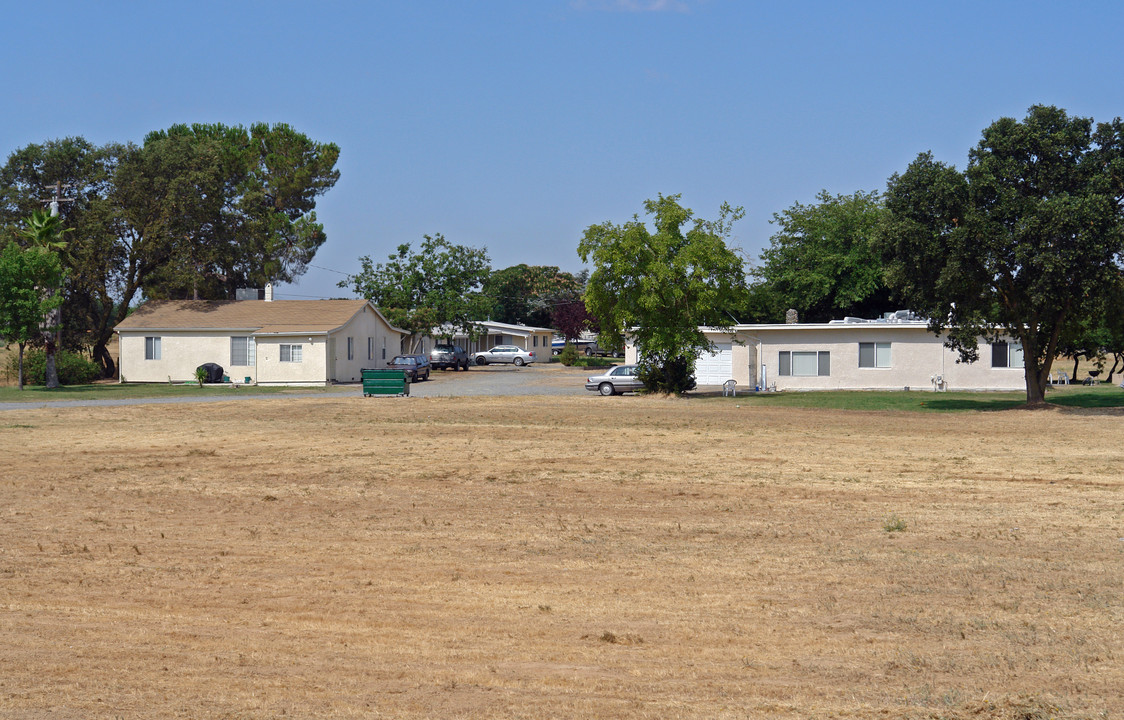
(1036, 382)
(1076, 360)
(1115, 366)
(19, 372)
(52, 373)
(103, 358)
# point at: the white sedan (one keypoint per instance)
(505, 354)
(622, 378)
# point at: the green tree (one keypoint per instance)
(821, 261)
(437, 287)
(527, 294)
(1022, 243)
(24, 306)
(197, 211)
(94, 255)
(44, 233)
(661, 286)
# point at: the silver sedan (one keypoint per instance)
(505, 354)
(622, 378)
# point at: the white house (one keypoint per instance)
(283, 342)
(490, 334)
(893, 353)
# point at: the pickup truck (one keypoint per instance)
(589, 348)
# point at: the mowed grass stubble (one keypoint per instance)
(558, 557)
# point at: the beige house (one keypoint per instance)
(282, 342)
(854, 354)
(490, 334)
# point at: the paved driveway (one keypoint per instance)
(533, 379)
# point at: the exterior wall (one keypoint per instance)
(535, 341)
(916, 357)
(180, 353)
(311, 370)
(366, 324)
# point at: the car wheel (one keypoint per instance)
(481, 361)
(518, 362)
(555, 352)
(589, 352)
(606, 389)
(466, 366)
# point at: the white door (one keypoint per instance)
(715, 368)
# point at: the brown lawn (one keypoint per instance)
(340, 557)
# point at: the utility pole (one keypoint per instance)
(52, 378)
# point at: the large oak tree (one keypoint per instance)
(1024, 243)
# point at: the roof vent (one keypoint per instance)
(249, 294)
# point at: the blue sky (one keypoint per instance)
(517, 124)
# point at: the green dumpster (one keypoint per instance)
(383, 381)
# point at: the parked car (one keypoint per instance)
(622, 378)
(443, 357)
(505, 354)
(595, 349)
(415, 366)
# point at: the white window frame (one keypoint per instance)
(370, 348)
(152, 347)
(291, 353)
(250, 351)
(1012, 356)
(819, 359)
(351, 348)
(878, 355)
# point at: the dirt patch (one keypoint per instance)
(642, 558)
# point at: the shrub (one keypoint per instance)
(674, 376)
(73, 368)
(569, 355)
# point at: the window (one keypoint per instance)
(351, 348)
(292, 353)
(152, 348)
(242, 351)
(874, 355)
(534, 341)
(804, 363)
(370, 348)
(1007, 355)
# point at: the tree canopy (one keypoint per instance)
(527, 294)
(822, 261)
(437, 286)
(661, 286)
(26, 277)
(1023, 243)
(196, 211)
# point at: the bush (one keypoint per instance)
(675, 376)
(73, 368)
(569, 355)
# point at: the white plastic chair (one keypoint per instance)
(730, 388)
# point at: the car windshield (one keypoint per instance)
(400, 360)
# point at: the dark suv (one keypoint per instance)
(448, 356)
(416, 367)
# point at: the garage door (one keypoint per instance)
(715, 368)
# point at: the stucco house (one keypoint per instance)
(896, 352)
(282, 342)
(527, 337)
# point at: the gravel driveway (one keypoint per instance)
(533, 379)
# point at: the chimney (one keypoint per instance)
(791, 317)
(269, 292)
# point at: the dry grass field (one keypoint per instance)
(339, 557)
